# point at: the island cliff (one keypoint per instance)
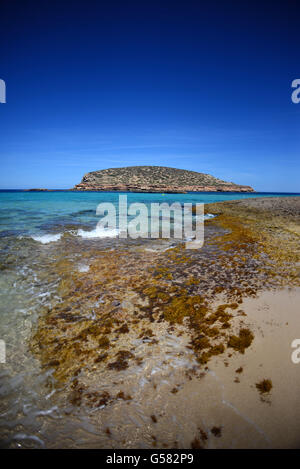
(155, 179)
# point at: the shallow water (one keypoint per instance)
(34, 411)
(45, 213)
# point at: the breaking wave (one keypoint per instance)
(47, 238)
(99, 232)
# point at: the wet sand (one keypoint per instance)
(249, 419)
(177, 404)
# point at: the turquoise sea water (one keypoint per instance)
(41, 213)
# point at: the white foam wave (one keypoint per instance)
(207, 216)
(99, 232)
(47, 238)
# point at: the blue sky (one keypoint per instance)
(204, 86)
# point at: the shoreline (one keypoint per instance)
(140, 341)
(146, 294)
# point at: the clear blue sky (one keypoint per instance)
(204, 86)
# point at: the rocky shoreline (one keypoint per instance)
(143, 332)
(160, 189)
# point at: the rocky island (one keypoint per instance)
(37, 190)
(155, 179)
